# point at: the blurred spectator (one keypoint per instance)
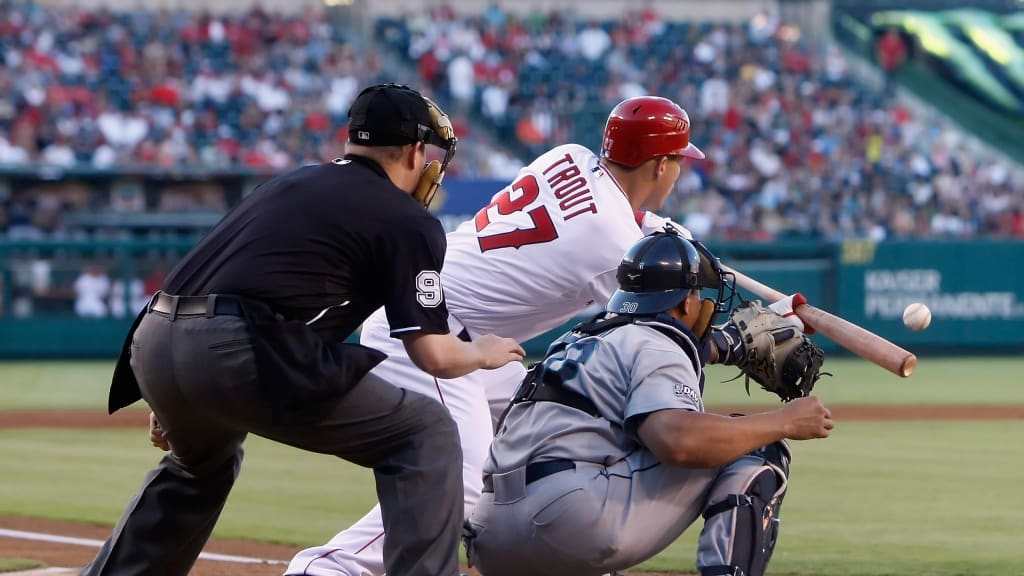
(593, 41)
(461, 81)
(42, 277)
(11, 153)
(120, 130)
(154, 280)
(92, 288)
(714, 97)
(891, 53)
(127, 196)
(494, 104)
(122, 304)
(58, 153)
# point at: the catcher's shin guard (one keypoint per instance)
(741, 521)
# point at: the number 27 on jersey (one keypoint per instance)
(543, 229)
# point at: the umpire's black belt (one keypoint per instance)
(536, 471)
(209, 306)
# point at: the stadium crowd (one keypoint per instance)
(796, 147)
(172, 89)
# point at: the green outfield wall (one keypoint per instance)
(974, 289)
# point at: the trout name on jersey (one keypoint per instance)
(570, 188)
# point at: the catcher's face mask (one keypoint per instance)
(441, 134)
(713, 277)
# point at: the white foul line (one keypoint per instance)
(97, 543)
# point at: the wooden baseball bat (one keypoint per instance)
(861, 342)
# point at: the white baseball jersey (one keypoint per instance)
(546, 247)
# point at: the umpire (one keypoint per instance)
(246, 336)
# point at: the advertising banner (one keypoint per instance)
(975, 291)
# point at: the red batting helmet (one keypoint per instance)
(646, 127)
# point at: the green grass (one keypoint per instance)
(876, 499)
(16, 564)
(67, 385)
(89, 476)
(927, 498)
(33, 385)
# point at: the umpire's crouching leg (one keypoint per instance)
(420, 491)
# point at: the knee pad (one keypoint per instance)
(741, 520)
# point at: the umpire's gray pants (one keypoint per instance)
(199, 377)
(586, 522)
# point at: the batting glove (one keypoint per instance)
(784, 307)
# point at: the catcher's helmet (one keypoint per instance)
(656, 274)
(646, 127)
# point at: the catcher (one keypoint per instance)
(605, 455)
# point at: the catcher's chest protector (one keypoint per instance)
(741, 521)
(541, 384)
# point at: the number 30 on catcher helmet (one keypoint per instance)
(646, 127)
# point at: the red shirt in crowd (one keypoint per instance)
(891, 51)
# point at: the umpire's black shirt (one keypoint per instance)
(329, 244)
(312, 253)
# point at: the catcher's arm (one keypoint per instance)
(705, 440)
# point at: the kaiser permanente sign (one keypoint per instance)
(888, 292)
(975, 290)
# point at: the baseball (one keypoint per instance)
(917, 316)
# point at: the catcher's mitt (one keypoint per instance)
(774, 353)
